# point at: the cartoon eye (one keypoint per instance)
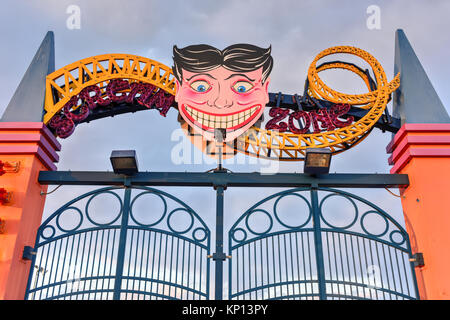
(242, 86)
(200, 86)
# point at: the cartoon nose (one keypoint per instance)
(221, 100)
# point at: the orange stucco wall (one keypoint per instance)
(34, 146)
(422, 151)
(426, 206)
(22, 217)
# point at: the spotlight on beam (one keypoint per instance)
(317, 161)
(124, 162)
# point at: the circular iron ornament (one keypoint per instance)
(233, 235)
(377, 213)
(195, 236)
(53, 231)
(391, 237)
(285, 224)
(253, 231)
(329, 224)
(103, 224)
(151, 224)
(76, 227)
(170, 216)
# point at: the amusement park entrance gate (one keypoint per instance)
(286, 246)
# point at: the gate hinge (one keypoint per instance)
(219, 256)
(418, 260)
(28, 253)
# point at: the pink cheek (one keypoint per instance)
(250, 98)
(199, 98)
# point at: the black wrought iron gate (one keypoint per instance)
(143, 243)
(133, 252)
(297, 244)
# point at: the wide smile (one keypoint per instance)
(230, 121)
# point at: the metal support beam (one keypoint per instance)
(226, 179)
(122, 245)
(219, 256)
(318, 244)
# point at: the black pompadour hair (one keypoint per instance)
(237, 57)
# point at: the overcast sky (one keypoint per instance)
(296, 30)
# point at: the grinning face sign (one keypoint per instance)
(222, 89)
(221, 98)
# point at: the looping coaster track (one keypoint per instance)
(148, 84)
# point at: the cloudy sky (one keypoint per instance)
(296, 30)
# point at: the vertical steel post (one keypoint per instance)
(122, 244)
(219, 256)
(318, 243)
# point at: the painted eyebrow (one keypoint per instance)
(240, 74)
(201, 74)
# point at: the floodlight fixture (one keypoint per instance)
(124, 162)
(317, 161)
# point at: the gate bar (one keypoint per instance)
(226, 179)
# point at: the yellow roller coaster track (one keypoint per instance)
(291, 147)
(70, 80)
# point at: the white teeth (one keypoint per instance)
(217, 121)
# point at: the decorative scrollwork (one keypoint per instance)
(402, 235)
(140, 196)
(46, 236)
(338, 218)
(83, 214)
(236, 230)
(355, 207)
(170, 216)
(252, 213)
(365, 228)
(268, 208)
(114, 219)
(199, 238)
(276, 213)
(80, 215)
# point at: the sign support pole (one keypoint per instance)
(219, 256)
(318, 243)
(122, 244)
